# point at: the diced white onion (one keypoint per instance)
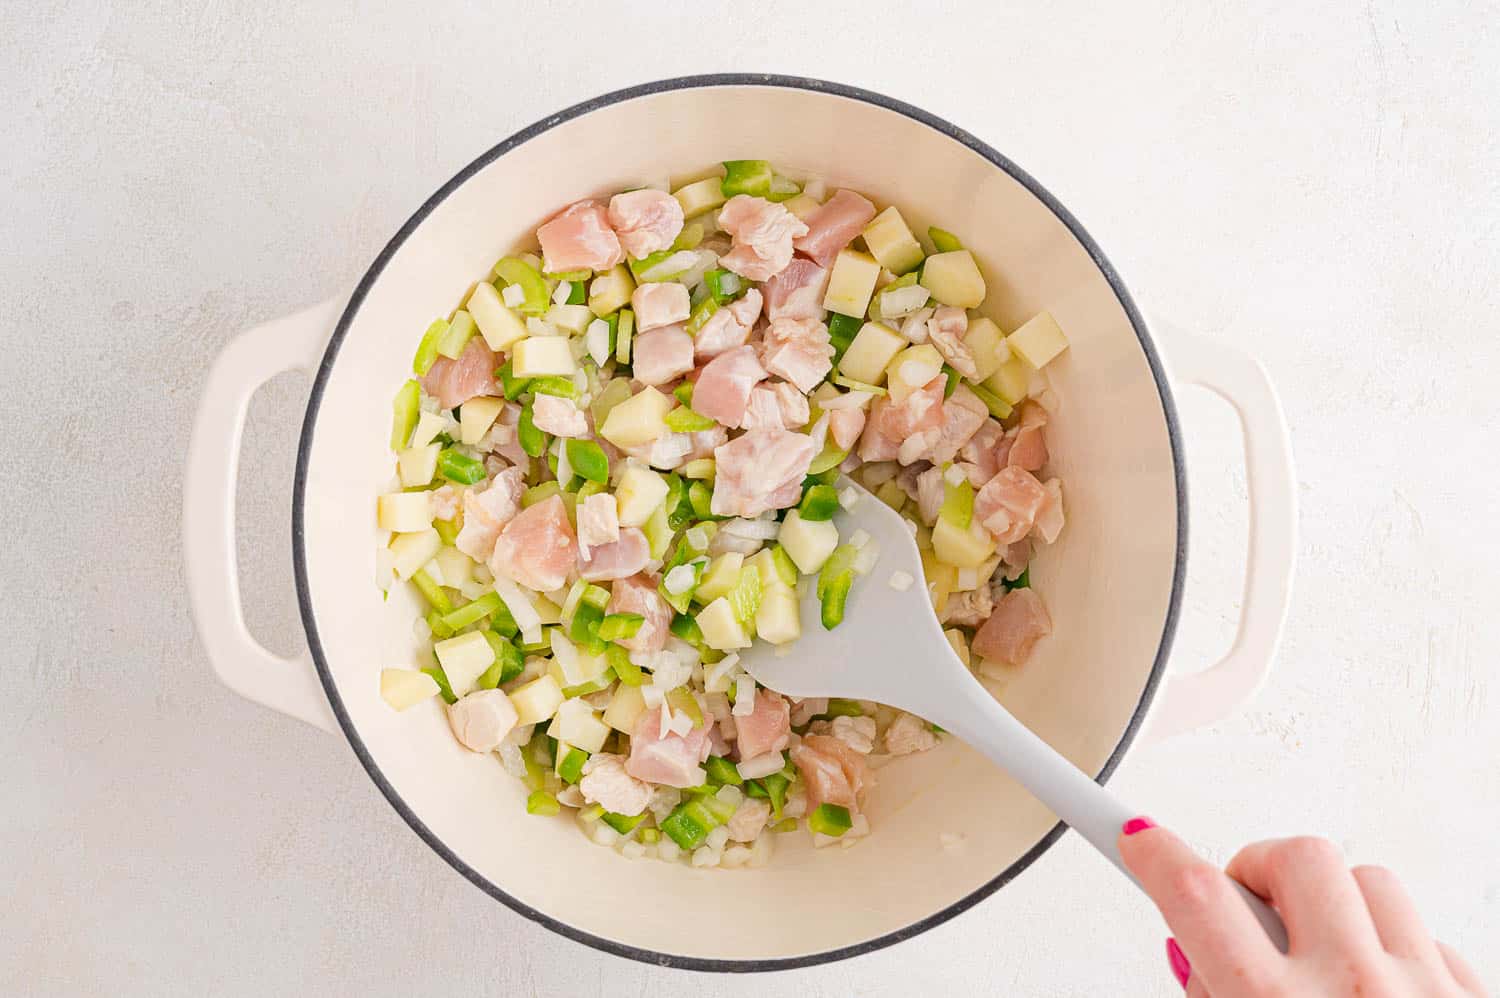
(562, 293)
(761, 765)
(718, 838)
(849, 497)
(597, 339)
(819, 432)
(697, 538)
(967, 580)
(539, 327)
(815, 188)
(631, 849)
(903, 301)
(521, 610)
(672, 266)
(564, 651)
(717, 677)
(744, 697)
(513, 296)
(679, 580)
(666, 721)
(914, 329)
(759, 530)
(901, 581)
(652, 695)
(848, 400)
(954, 475)
(681, 724)
(731, 660)
(859, 538)
(864, 561)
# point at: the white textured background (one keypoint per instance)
(1319, 184)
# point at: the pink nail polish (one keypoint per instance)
(1138, 825)
(1181, 969)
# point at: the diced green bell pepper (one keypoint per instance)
(533, 441)
(746, 176)
(571, 766)
(441, 678)
(543, 803)
(616, 626)
(405, 409)
(958, 504)
(622, 823)
(460, 330)
(588, 459)
(819, 502)
(509, 383)
(553, 384)
(514, 270)
(624, 669)
(427, 349)
(722, 771)
(830, 819)
(942, 240)
(684, 420)
(459, 467)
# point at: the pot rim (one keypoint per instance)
(309, 619)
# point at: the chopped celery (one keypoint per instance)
(623, 336)
(585, 626)
(649, 836)
(622, 823)
(786, 569)
(684, 420)
(572, 276)
(514, 270)
(830, 819)
(502, 623)
(722, 771)
(723, 285)
(541, 802)
(682, 700)
(839, 707)
(595, 596)
(746, 176)
(553, 384)
(942, 240)
(591, 813)
(998, 407)
(459, 467)
(841, 561)
(857, 386)
(405, 408)
(509, 383)
(441, 678)
(624, 669)
(830, 457)
(473, 612)
(539, 493)
(706, 308)
(782, 189)
(785, 825)
(615, 626)
(684, 393)
(744, 598)
(433, 593)
(689, 238)
(570, 766)
(819, 502)
(588, 459)
(958, 504)
(841, 332)
(645, 263)
(833, 598)
(533, 441)
(578, 293)
(953, 379)
(508, 664)
(689, 823)
(460, 330)
(427, 350)
(701, 496)
(687, 629)
(435, 624)
(775, 787)
(447, 530)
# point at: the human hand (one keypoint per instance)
(1352, 932)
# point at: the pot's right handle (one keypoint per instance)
(1193, 700)
(208, 525)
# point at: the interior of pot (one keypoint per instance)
(1107, 582)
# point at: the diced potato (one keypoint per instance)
(576, 723)
(912, 368)
(499, 326)
(722, 630)
(1010, 379)
(808, 542)
(404, 512)
(959, 644)
(625, 709)
(852, 283)
(536, 701)
(961, 548)
(457, 567)
(403, 688)
(720, 576)
(429, 425)
(417, 465)
(1039, 340)
(702, 469)
(765, 565)
(587, 669)
(477, 416)
(890, 241)
(538, 356)
(779, 618)
(410, 552)
(941, 578)
(640, 419)
(987, 343)
(802, 206)
(574, 318)
(954, 279)
(696, 198)
(869, 353)
(638, 494)
(611, 290)
(464, 659)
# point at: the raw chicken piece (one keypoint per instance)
(482, 719)
(978, 454)
(797, 292)
(558, 416)
(729, 327)
(616, 560)
(767, 729)
(845, 426)
(1019, 621)
(798, 350)
(930, 492)
(445, 501)
(646, 221)
(776, 406)
(891, 424)
(454, 382)
(662, 355)
(969, 609)
(598, 522)
(908, 733)
(834, 226)
(579, 238)
(675, 761)
(606, 783)
(537, 548)
(749, 819)
(761, 470)
(723, 387)
(963, 415)
(486, 513)
(1028, 444)
(638, 594)
(1008, 504)
(762, 233)
(504, 439)
(832, 772)
(946, 330)
(856, 732)
(1049, 519)
(658, 304)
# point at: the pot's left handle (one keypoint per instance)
(208, 522)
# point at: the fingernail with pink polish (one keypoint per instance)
(1138, 825)
(1181, 969)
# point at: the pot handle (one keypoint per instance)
(1193, 700)
(208, 514)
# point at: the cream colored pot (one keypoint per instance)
(1113, 582)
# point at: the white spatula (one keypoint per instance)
(890, 648)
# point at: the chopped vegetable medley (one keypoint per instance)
(620, 461)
